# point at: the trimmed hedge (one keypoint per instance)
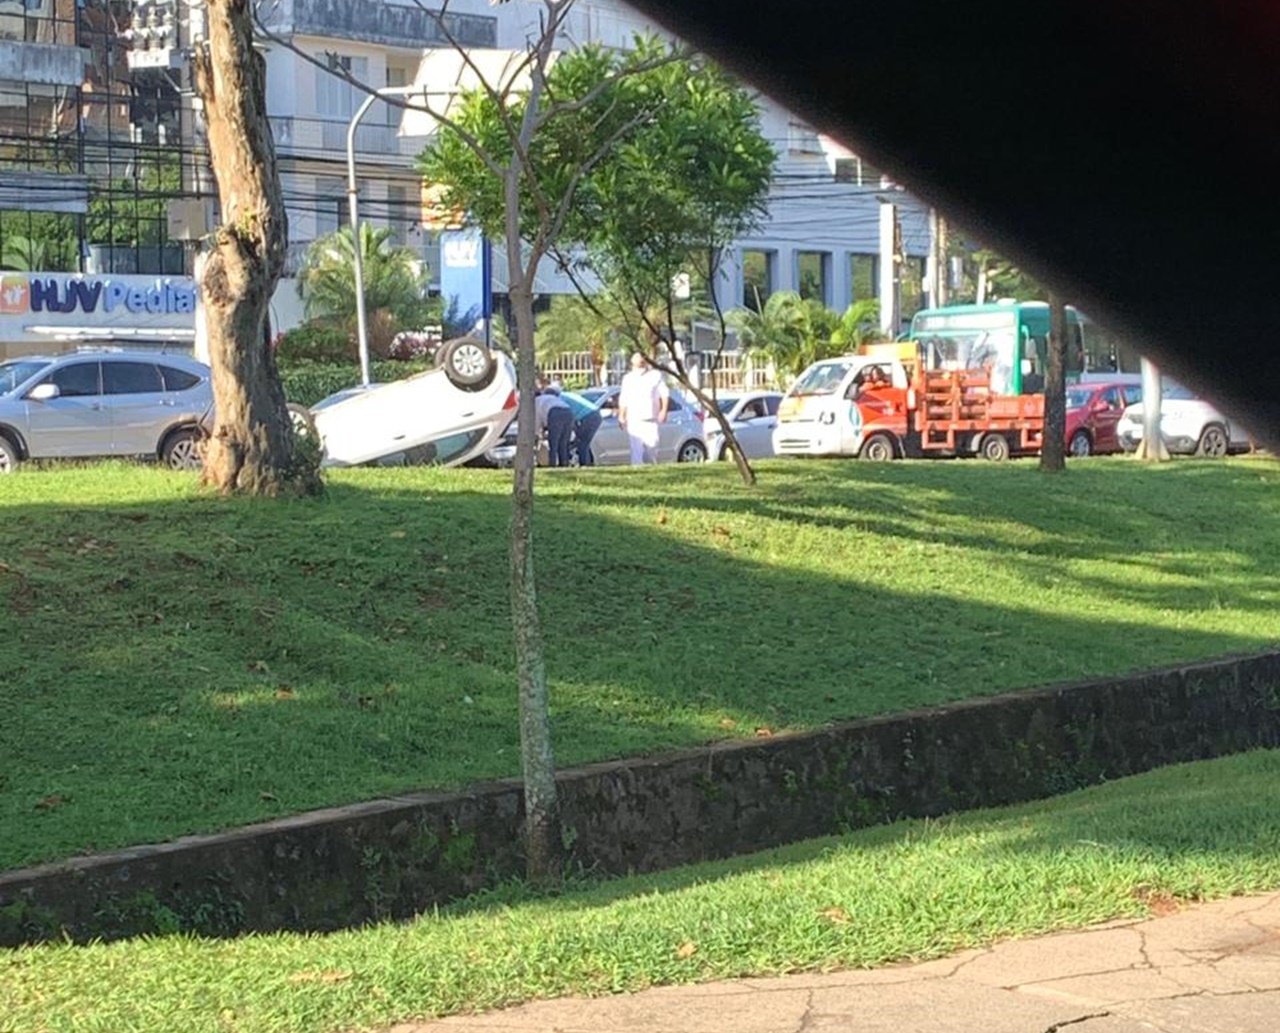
(308, 382)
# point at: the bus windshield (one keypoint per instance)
(823, 379)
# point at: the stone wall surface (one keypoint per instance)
(391, 858)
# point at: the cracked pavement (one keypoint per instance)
(1211, 968)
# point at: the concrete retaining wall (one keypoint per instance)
(390, 858)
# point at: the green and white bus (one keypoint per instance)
(1008, 338)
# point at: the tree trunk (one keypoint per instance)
(1053, 447)
(252, 447)
(1151, 447)
(745, 470)
(541, 806)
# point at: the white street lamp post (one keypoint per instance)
(362, 327)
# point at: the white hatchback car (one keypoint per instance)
(1189, 426)
(442, 417)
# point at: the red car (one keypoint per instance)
(1093, 413)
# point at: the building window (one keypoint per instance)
(39, 127)
(757, 278)
(802, 139)
(330, 205)
(399, 217)
(396, 78)
(39, 21)
(811, 275)
(856, 171)
(863, 271)
(910, 287)
(335, 96)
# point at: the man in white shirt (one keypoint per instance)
(642, 409)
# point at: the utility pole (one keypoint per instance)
(889, 321)
(938, 260)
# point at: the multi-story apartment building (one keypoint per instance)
(103, 173)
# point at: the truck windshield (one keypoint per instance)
(824, 379)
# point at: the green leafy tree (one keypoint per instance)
(669, 202)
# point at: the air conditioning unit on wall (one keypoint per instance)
(189, 218)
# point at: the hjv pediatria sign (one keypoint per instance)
(22, 294)
(45, 306)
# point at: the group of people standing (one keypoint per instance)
(570, 422)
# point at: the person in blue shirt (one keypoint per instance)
(586, 421)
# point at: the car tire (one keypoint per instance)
(1080, 445)
(994, 447)
(467, 363)
(692, 452)
(9, 457)
(183, 449)
(1213, 443)
(878, 448)
(302, 422)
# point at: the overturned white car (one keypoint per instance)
(443, 416)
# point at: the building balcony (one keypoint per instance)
(386, 24)
(322, 137)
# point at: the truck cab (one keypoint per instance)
(838, 406)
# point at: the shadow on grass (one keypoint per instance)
(182, 664)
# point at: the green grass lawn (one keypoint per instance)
(909, 891)
(173, 662)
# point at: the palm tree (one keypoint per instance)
(859, 325)
(787, 330)
(327, 281)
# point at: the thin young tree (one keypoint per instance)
(252, 448)
(514, 155)
(1053, 449)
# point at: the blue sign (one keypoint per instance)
(72, 294)
(466, 280)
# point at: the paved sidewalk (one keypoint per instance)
(1213, 968)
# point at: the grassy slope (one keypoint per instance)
(912, 890)
(174, 663)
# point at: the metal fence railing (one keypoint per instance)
(730, 371)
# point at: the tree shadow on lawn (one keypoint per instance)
(187, 666)
(1210, 524)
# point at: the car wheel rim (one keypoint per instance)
(1215, 443)
(469, 361)
(6, 464)
(1079, 445)
(691, 454)
(183, 455)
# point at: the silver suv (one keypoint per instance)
(103, 403)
